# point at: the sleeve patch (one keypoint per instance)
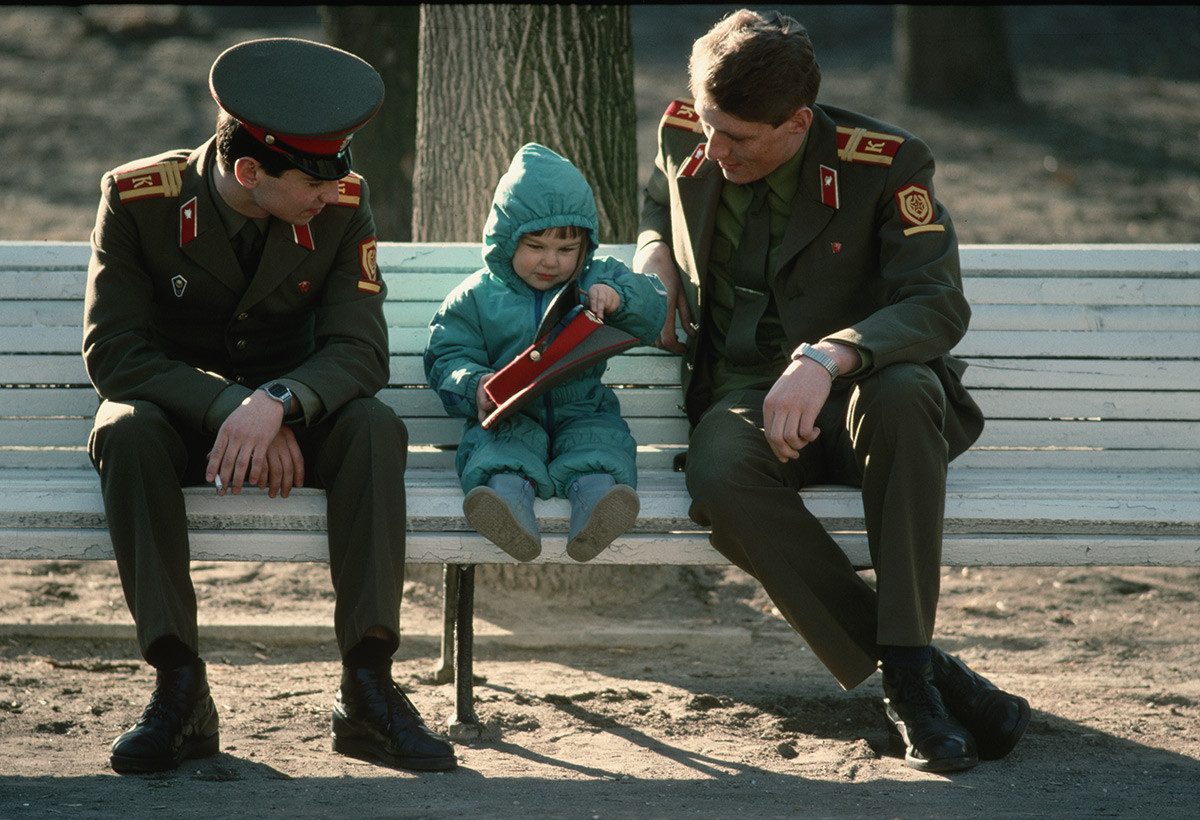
(916, 208)
(162, 180)
(871, 147)
(368, 281)
(682, 114)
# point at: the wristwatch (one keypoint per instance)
(823, 359)
(281, 394)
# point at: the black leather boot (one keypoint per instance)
(374, 720)
(180, 723)
(996, 718)
(934, 741)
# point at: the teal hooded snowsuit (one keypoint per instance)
(575, 428)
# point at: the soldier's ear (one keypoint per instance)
(247, 170)
(801, 120)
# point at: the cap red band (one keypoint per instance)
(329, 145)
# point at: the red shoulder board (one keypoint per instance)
(871, 147)
(682, 114)
(163, 179)
(349, 190)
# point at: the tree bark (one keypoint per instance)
(384, 150)
(494, 77)
(954, 55)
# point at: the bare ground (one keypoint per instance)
(628, 694)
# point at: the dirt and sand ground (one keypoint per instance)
(611, 693)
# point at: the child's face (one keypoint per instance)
(544, 263)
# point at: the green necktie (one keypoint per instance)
(751, 294)
(248, 245)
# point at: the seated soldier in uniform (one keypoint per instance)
(234, 331)
(817, 280)
(571, 441)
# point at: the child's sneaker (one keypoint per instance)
(601, 511)
(502, 512)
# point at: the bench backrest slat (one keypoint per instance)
(1081, 356)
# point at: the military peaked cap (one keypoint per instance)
(301, 99)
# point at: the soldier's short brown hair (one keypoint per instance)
(756, 67)
(235, 142)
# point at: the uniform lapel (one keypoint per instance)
(210, 249)
(281, 255)
(698, 197)
(809, 213)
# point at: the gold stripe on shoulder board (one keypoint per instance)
(162, 180)
(871, 147)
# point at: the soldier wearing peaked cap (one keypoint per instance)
(817, 278)
(234, 332)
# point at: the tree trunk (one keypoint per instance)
(494, 77)
(954, 55)
(384, 150)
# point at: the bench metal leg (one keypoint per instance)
(444, 671)
(465, 725)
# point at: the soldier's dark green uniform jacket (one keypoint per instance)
(870, 257)
(169, 318)
(175, 338)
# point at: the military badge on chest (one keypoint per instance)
(179, 285)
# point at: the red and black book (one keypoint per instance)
(570, 339)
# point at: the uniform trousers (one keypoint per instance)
(882, 433)
(357, 456)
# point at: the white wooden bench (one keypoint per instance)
(1086, 360)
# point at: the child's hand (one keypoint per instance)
(602, 299)
(483, 404)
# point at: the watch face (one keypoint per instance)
(278, 391)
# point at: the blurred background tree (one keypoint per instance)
(954, 56)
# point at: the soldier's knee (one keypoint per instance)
(131, 424)
(371, 417)
(905, 390)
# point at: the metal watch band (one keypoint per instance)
(817, 356)
(280, 392)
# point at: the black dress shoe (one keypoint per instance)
(180, 723)
(996, 718)
(374, 720)
(934, 741)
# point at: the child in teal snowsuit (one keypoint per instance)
(570, 442)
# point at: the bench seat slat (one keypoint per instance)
(44, 461)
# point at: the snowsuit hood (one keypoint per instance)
(539, 190)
